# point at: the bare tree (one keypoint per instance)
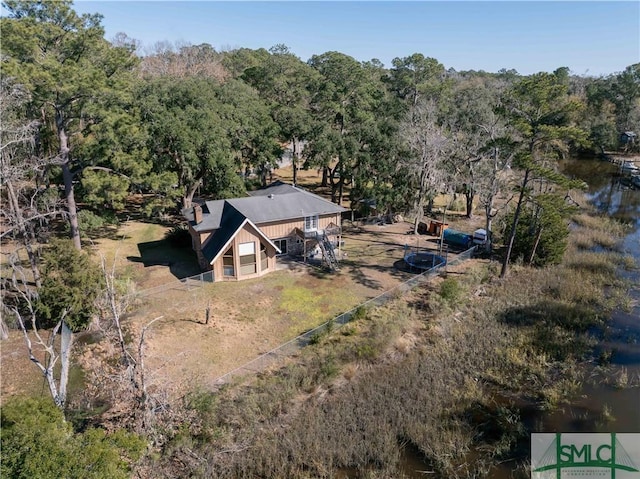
(28, 208)
(17, 139)
(492, 174)
(428, 142)
(44, 353)
(182, 60)
(121, 375)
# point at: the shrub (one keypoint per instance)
(38, 443)
(359, 313)
(71, 283)
(450, 290)
(178, 237)
(91, 222)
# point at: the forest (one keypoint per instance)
(90, 124)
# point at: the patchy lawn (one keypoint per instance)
(251, 317)
(141, 252)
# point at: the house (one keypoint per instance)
(241, 238)
(627, 138)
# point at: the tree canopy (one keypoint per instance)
(69, 70)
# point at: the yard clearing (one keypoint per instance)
(252, 317)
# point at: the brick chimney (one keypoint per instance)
(197, 214)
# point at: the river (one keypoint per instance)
(623, 332)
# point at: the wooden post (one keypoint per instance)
(207, 313)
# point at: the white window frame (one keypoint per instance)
(228, 270)
(244, 250)
(311, 223)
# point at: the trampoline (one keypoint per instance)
(424, 261)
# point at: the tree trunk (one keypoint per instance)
(4, 329)
(187, 199)
(263, 176)
(419, 210)
(488, 226)
(67, 176)
(419, 203)
(516, 219)
(325, 176)
(294, 161)
(469, 200)
(334, 192)
(430, 205)
(415, 224)
(66, 341)
(535, 245)
(72, 210)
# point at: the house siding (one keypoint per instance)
(276, 230)
(246, 235)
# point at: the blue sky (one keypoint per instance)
(591, 38)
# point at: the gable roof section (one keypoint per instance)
(277, 202)
(220, 240)
(275, 188)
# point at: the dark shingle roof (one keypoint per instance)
(275, 188)
(277, 202)
(233, 221)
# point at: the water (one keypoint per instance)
(600, 406)
(622, 336)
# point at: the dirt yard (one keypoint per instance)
(252, 317)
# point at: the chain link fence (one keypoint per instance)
(184, 284)
(279, 355)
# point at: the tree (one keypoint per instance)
(188, 139)
(67, 67)
(416, 76)
(542, 232)
(71, 283)
(539, 108)
(481, 147)
(625, 94)
(238, 60)
(252, 132)
(428, 143)
(283, 81)
(119, 376)
(491, 175)
(29, 204)
(345, 102)
(183, 61)
(473, 125)
(16, 165)
(38, 443)
(600, 115)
